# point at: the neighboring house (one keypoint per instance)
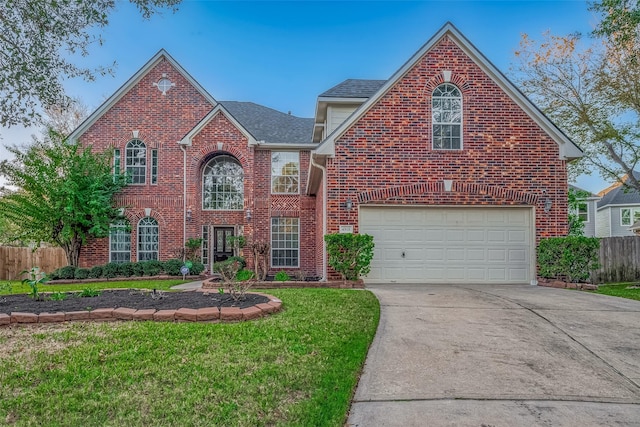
(586, 211)
(618, 211)
(455, 173)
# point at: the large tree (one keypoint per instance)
(62, 194)
(37, 38)
(590, 87)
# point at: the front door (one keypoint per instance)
(221, 247)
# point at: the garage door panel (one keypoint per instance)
(447, 245)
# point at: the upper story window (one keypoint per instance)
(154, 166)
(136, 161)
(582, 211)
(446, 111)
(223, 184)
(285, 172)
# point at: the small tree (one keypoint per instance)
(64, 194)
(577, 198)
(350, 254)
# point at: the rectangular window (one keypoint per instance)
(119, 242)
(285, 242)
(116, 162)
(154, 166)
(205, 246)
(285, 172)
(583, 211)
(629, 216)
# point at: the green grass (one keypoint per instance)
(18, 288)
(620, 290)
(298, 367)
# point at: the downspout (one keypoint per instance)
(324, 217)
(184, 195)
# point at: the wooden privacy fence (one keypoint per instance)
(619, 260)
(13, 260)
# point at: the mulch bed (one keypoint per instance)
(127, 298)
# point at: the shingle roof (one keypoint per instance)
(354, 88)
(269, 125)
(621, 195)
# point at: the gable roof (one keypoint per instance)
(568, 150)
(113, 99)
(619, 194)
(270, 126)
(354, 88)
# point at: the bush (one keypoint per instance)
(244, 275)
(350, 254)
(81, 273)
(241, 260)
(65, 273)
(172, 267)
(111, 270)
(151, 268)
(282, 276)
(137, 269)
(196, 268)
(95, 272)
(227, 269)
(572, 257)
(126, 269)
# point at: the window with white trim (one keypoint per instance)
(582, 211)
(120, 242)
(446, 113)
(285, 172)
(629, 216)
(136, 161)
(285, 242)
(154, 167)
(223, 184)
(148, 238)
(116, 162)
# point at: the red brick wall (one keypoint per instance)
(507, 159)
(162, 120)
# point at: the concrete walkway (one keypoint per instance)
(500, 356)
(189, 286)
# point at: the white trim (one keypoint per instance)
(568, 150)
(133, 80)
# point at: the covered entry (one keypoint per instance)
(450, 244)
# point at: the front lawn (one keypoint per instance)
(16, 287)
(621, 290)
(297, 367)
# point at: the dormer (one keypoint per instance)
(339, 102)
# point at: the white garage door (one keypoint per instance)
(449, 245)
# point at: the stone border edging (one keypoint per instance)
(206, 314)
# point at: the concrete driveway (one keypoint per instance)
(500, 356)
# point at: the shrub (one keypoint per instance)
(282, 276)
(89, 292)
(111, 270)
(126, 269)
(244, 275)
(350, 254)
(241, 260)
(572, 257)
(81, 273)
(151, 268)
(95, 272)
(172, 267)
(196, 268)
(137, 269)
(65, 273)
(227, 269)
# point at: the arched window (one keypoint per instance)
(223, 184)
(120, 242)
(446, 107)
(147, 239)
(136, 161)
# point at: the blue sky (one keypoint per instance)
(283, 54)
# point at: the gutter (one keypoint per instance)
(324, 216)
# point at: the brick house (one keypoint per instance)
(451, 169)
